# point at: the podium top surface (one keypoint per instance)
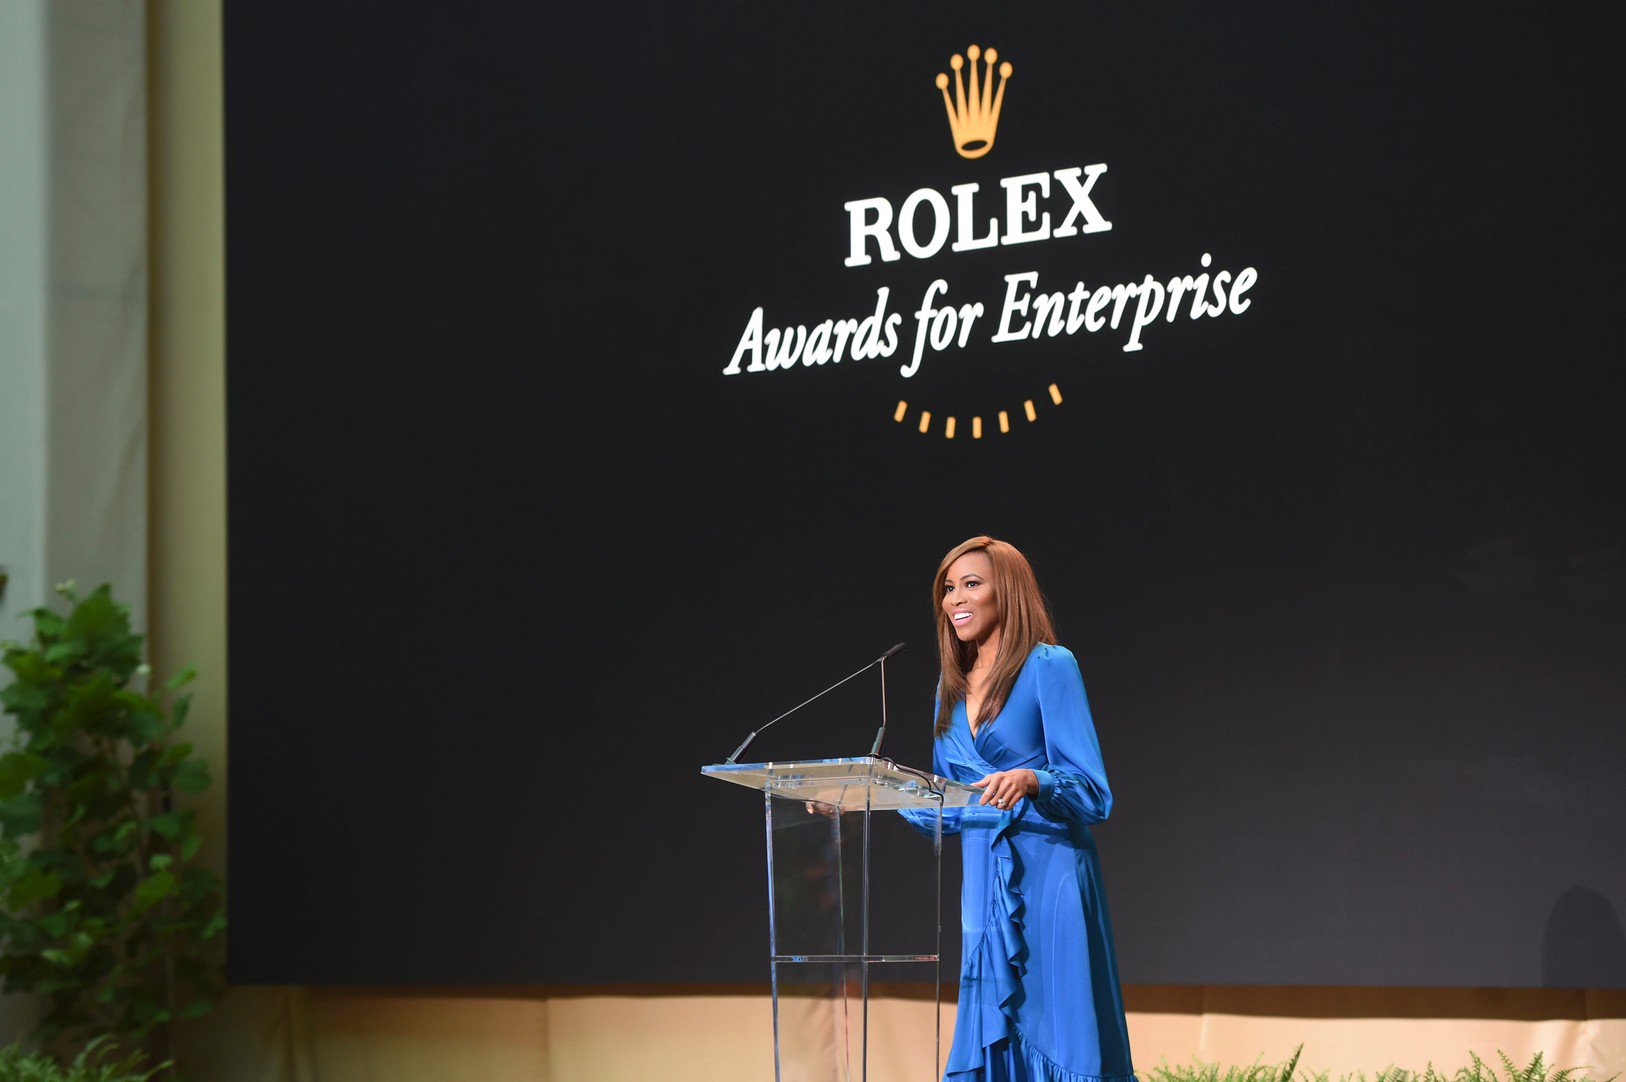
(854, 783)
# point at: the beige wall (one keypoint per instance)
(303, 1035)
(494, 1035)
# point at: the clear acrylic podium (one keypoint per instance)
(854, 908)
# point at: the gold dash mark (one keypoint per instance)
(899, 413)
(925, 420)
(1004, 421)
(948, 428)
(976, 428)
(1033, 414)
(1055, 394)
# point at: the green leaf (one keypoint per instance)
(17, 769)
(160, 861)
(192, 776)
(32, 668)
(47, 625)
(90, 707)
(34, 885)
(154, 889)
(124, 834)
(175, 753)
(170, 824)
(181, 679)
(20, 815)
(69, 651)
(104, 627)
(145, 722)
(88, 786)
(189, 846)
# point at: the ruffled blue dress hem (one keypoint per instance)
(1017, 1062)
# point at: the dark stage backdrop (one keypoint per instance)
(578, 427)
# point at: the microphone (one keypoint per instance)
(880, 734)
(870, 665)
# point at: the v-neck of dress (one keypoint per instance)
(976, 731)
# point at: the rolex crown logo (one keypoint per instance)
(973, 117)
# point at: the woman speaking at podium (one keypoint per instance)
(1039, 995)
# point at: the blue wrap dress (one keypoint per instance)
(1039, 993)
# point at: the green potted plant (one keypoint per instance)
(104, 912)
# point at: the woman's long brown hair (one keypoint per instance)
(1024, 621)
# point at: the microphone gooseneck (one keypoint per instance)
(881, 661)
(880, 734)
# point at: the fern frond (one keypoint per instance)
(1292, 1063)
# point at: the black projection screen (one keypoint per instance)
(514, 551)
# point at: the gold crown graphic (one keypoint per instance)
(974, 117)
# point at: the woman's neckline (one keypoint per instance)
(965, 706)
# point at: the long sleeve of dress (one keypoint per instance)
(1073, 782)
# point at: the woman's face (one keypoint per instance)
(968, 598)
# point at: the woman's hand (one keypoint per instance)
(1002, 788)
